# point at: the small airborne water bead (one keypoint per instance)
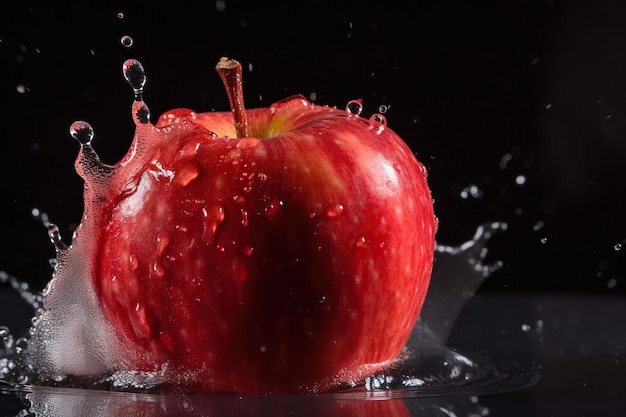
(126, 41)
(82, 132)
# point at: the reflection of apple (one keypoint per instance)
(288, 251)
(80, 403)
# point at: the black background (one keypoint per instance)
(483, 92)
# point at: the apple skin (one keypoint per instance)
(291, 261)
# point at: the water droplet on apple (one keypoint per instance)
(378, 121)
(361, 242)
(139, 321)
(212, 217)
(126, 41)
(354, 107)
(334, 210)
(157, 270)
(248, 250)
(248, 143)
(272, 208)
(163, 239)
(187, 174)
(82, 132)
(132, 261)
(244, 217)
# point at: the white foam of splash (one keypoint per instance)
(71, 336)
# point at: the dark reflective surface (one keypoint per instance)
(579, 358)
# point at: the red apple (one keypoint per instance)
(278, 250)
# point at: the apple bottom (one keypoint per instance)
(212, 382)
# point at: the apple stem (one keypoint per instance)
(230, 72)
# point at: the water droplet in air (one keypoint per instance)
(504, 161)
(378, 121)
(544, 240)
(22, 343)
(126, 41)
(55, 236)
(6, 337)
(135, 75)
(617, 246)
(471, 191)
(354, 107)
(383, 108)
(82, 132)
(120, 15)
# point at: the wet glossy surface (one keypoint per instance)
(570, 340)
